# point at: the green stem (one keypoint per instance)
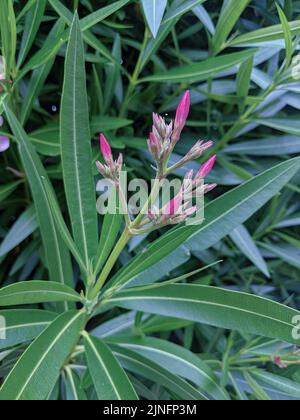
(134, 79)
(110, 263)
(242, 121)
(151, 199)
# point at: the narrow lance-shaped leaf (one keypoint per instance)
(36, 291)
(200, 71)
(213, 306)
(142, 366)
(229, 16)
(76, 148)
(222, 216)
(243, 240)
(154, 11)
(57, 255)
(36, 372)
(177, 359)
(110, 380)
(23, 325)
(33, 20)
(287, 36)
(270, 33)
(25, 225)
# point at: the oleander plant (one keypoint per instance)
(149, 301)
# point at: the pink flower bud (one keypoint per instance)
(209, 187)
(183, 110)
(181, 115)
(105, 149)
(4, 143)
(154, 145)
(206, 167)
(172, 208)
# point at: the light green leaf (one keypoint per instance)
(286, 125)
(36, 372)
(213, 306)
(287, 36)
(35, 291)
(76, 149)
(25, 225)
(246, 244)
(142, 366)
(179, 7)
(200, 71)
(270, 33)
(22, 325)
(228, 18)
(109, 234)
(177, 360)
(154, 11)
(222, 217)
(110, 380)
(101, 14)
(283, 384)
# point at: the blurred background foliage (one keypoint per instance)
(239, 59)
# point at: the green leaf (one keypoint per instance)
(57, 255)
(88, 36)
(287, 253)
(222, 217)
(35, 374)
(213, 306)
(25, 225)
(76, 149)
(285, 385)
(101, 14)
(200, 71)
(270, 33)
(177, 360)
(179, 7)
(154, 11)
(33, 20)
(46, 53)
(23, 325)
(246, 244)
(286, 125)
(74, 391)
(109, 234)
(142, 366)
(8, 189)
(287, 36)
(36, 291)
(40, 75)
(62, 227)
(244, 80)
(228, 18)
(8, 30)
(110, 380)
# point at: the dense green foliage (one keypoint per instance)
(188, 312)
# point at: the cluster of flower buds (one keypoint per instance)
(4, 141)
(161, 143)
(164, 137)
(181, 207)
(111, 169)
